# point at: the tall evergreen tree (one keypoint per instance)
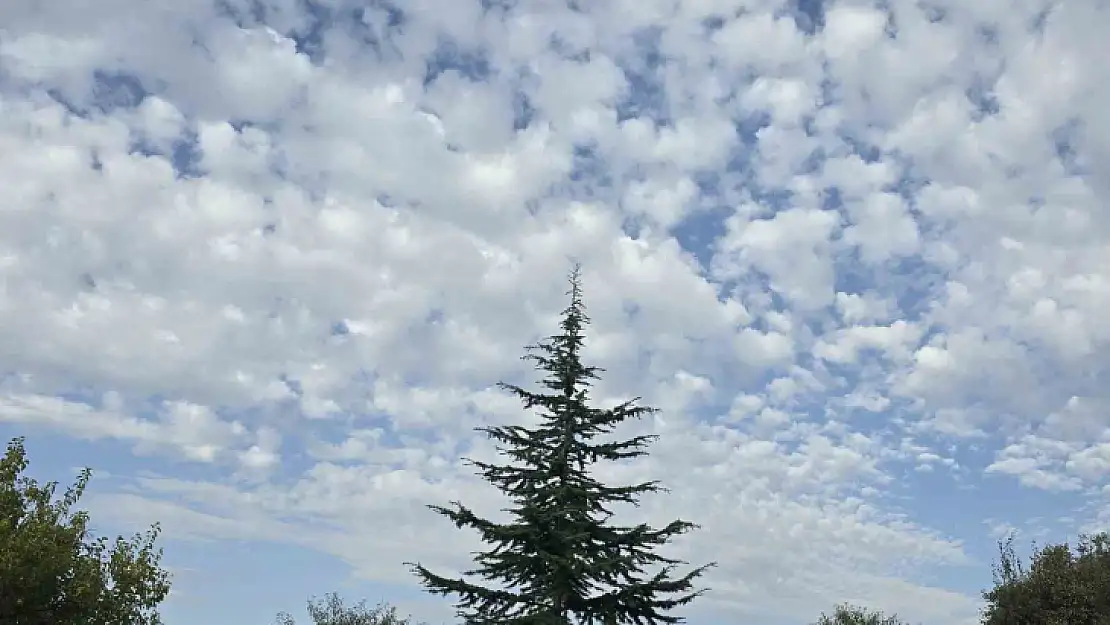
(559, 560)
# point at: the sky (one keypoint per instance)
(263, 262)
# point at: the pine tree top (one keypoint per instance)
(560, 559)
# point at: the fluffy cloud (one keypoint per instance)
(857, 251)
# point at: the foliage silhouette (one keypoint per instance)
(559, 559)
(54, 572)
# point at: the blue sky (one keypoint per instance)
(263, 262)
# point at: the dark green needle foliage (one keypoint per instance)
(559, 559)
(54, 572)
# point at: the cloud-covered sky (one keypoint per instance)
(262, 262)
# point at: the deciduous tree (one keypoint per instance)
(332, 611)
(1059, 587)
(54, 572)
(847, 614)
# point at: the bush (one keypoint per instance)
(846, 614)
(331, 611)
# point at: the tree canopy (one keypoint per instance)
(1059, 587)
(847, 614)
(331, 610)
(54, 572)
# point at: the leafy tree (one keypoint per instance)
(53, 572)
(846, 614)
(1060, 587)
(331, 611)
(559, 559)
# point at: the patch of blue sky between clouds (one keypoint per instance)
(118, 91)
(809, 15)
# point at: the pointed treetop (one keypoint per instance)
(561, 558)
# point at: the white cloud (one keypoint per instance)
(846, 263)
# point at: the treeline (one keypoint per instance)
(559, 560)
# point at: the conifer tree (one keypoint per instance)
(559, 560)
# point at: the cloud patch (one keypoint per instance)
(857, 252)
